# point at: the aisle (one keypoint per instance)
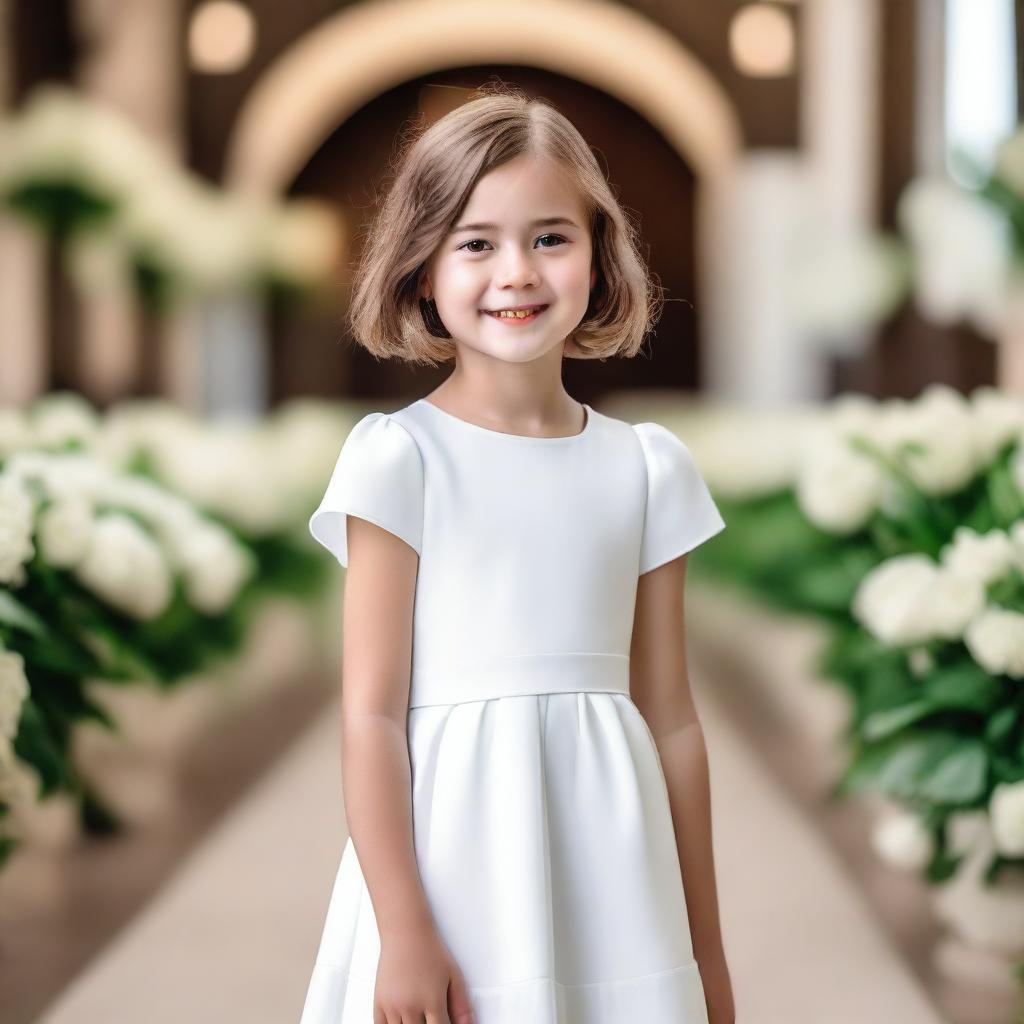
(233, 935)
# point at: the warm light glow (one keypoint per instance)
(221, 37)
(761, 40)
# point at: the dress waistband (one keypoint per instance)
(521, 675)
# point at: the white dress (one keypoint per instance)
(542, 829)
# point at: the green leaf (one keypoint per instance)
(880, 724)
(899, 765)
(959, 777)
(14, 613)
(1000, 725)
(35, 745)
(966, 686)
(943, 867)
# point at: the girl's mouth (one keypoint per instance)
(517, 317)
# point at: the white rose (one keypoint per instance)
(14, 432)
(1007, 810)
(126, 568)
(215, 567)
(892, 600)
(62, 418)
(995, 638)
(962, 250)
(13, 691)
(953, 602)
(16, 512)
(932, 437)
(61, 474)
(984, 557)
(838, 488)
(998, 418)
(64, 531)
(901, 839)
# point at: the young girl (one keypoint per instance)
(525, 777)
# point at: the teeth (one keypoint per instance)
(518, 314)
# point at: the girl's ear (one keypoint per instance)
(593, 277)
(425, 289)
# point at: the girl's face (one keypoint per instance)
(522, 240)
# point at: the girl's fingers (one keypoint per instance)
(460, 1009)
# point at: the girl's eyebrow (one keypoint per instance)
(543, 222)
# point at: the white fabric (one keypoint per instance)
(543, 832)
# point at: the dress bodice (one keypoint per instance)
(530, 548)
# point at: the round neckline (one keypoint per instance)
(528, 438)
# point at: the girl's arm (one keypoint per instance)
(415, 968)
(660, 687)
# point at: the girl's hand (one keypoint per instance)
(419, 982)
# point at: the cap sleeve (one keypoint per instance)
(378, 477)
(680, 512)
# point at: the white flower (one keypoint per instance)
(940, 428)
(998, 417)
(995, 638)
(61, 135)
(984, 557)
(955, 599)
(901, 839)
(13, 691)
(14, 431)
(893, 600)
(61, 418)
(962, 250)
(837, 487)
(840, 282)
(205, 238)
(126, 568)
(17, 509)
(64, 531)
(61, 474)
(215, 567)
(1007, 810)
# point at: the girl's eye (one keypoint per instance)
(475, 241)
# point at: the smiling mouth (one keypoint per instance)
(516, 315)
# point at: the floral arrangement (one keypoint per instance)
(901, 524)
(118, 205)
(135, 547)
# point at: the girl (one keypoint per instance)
(525, 777)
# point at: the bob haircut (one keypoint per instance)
(436, 172)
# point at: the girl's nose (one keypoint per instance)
(517, 271)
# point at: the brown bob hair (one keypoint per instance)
(436, 170)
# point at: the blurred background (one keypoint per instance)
(831, 193)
